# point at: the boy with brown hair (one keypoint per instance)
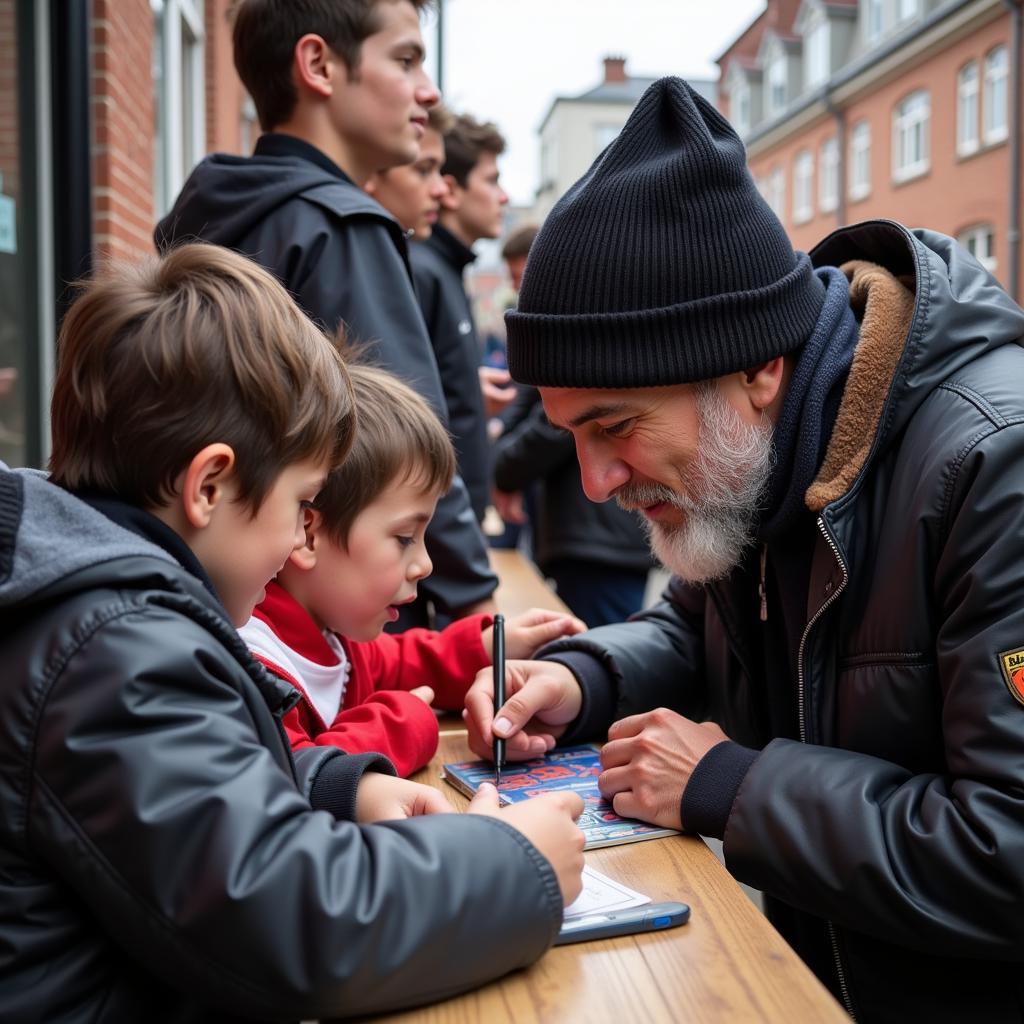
(319, 626)
(471, 210)
(341, 93)
(163, 854)
(412, 193)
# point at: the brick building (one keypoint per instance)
(909, 109)
(105, 106)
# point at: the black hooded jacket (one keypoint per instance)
(343, 257)
(888, 833)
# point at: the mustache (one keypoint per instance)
(633, 497)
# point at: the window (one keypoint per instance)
(828, 176)
(860, 160)
(604, 135)
(967, 109)
(816, 53)
(739, 106)
(873, 20)
(906, 9)
(777, 193)
(979, 241)
(777, 84)
(803, 173)
(995, 105)
(179, 96)
(910, 136)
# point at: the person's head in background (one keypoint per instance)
(515, 250)
(473, 207)
(412, 193)
(346, 76)
(364, 550)
(193, 387)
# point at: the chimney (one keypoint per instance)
(614, 70)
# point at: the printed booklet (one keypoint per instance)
(575, 768)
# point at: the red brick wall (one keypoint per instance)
(8, 100)
(123, 113)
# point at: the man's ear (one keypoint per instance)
(315, 66)
(313, 524)
(207, 484)
(452, 199)
(763, 385)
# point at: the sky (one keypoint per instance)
(506, 60)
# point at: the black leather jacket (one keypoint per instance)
(890, 837)
(159, 857)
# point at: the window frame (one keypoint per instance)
(975, 232)
(967, 100)
(1001, 79)
(803, 186)
(828, 175)
(860, 148)
(904, 122)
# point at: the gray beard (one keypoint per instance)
(720, 494)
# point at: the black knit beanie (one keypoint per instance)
(662, 264)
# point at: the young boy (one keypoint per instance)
(319, 627)
(163, 855)
(412, 193)
(341, 92)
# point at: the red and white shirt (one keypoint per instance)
(355, 695)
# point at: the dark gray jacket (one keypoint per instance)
(159, 857)
(437, 266)
(890, 837)
(343, 257)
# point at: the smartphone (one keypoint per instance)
(652, 917)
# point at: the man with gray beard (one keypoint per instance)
(828, 451)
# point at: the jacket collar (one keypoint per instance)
(443, 242)
(294, 626)
(280, 144)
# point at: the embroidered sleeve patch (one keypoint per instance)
(1012, 664)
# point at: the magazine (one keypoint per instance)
(575, 768)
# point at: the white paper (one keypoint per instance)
(601, 894)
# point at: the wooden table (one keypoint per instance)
(727, 965)
(520, 584)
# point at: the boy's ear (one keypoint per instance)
(452, 199)
(315, 65)
(207, 483)
(305, 557)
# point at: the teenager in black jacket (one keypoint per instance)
(352, 99)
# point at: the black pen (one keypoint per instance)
(498, 645)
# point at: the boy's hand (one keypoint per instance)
(425, 694)
(548, 821)
(544, 697)
(530, 631)
(385, 798)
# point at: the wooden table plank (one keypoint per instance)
(727, 965)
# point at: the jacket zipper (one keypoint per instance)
(761, 591)
(801, 703)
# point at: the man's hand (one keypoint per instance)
(525, 633)
(548, 822)
(509, 505)
(543, 698)
(385, 798)
(497, 388)
(648, 760)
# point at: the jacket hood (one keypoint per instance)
(226, 196)
(960, 311)
(47, 534)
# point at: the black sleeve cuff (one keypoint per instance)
(707, 799)
(335, 784)
(597, 711)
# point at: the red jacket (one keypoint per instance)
(377, 713)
